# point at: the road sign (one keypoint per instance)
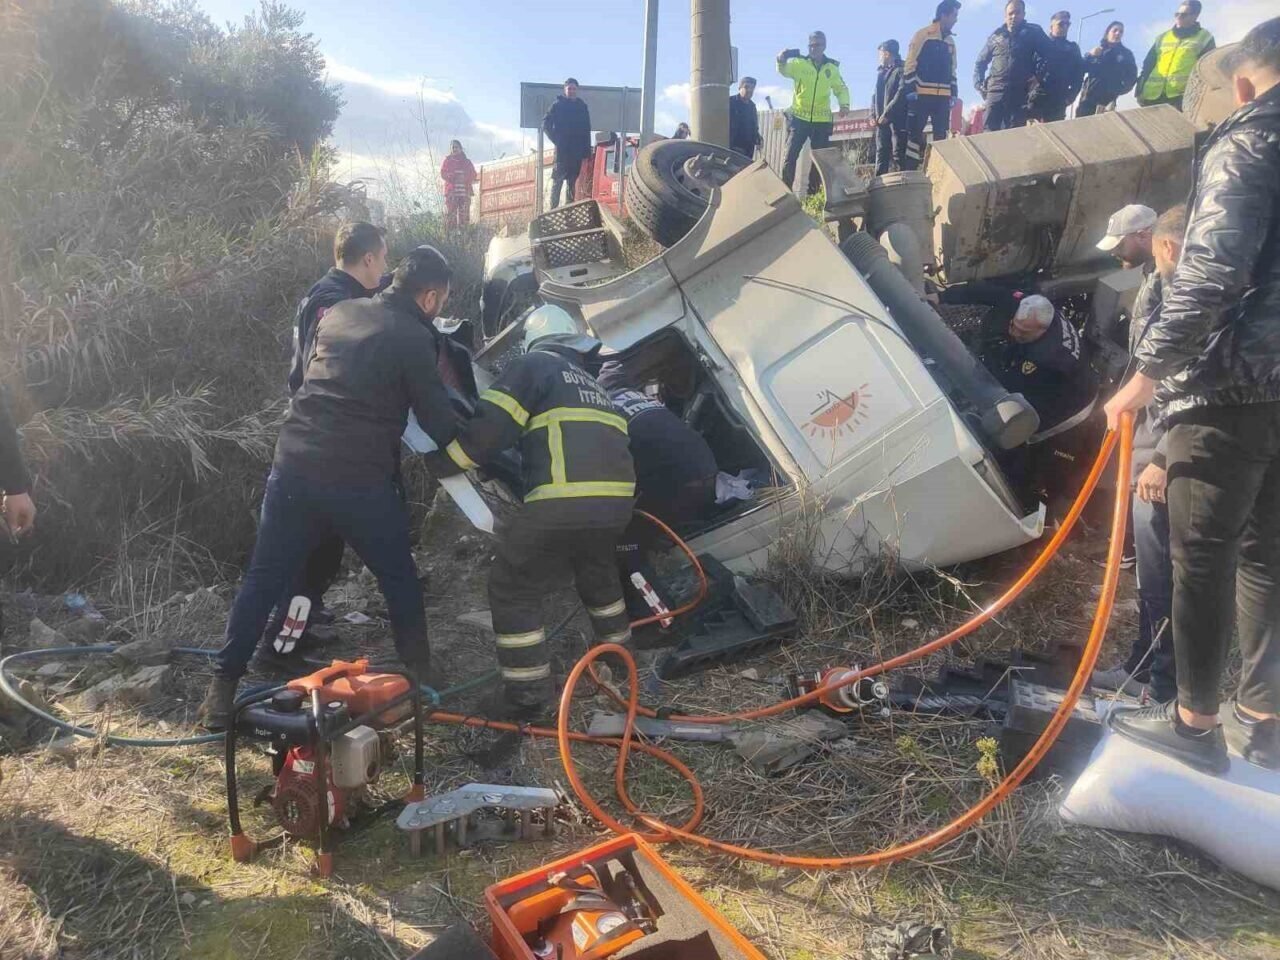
(612, 108)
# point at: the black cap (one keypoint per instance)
(890, 45)
(569, 81)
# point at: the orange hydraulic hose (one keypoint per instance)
(922, 844)
(697, 568)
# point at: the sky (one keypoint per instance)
(416, 73)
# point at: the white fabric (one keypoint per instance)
(1234, 818)
(729, 487)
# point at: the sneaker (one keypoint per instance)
(1258, 741)
(1159, 728)
(1119, 680)
(215, 711)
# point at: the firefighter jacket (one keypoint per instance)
(930, 69)
(814, 84)
(1169, 63)
(1007, 63)
(1216, 341)
(1052, 373)
(573, 443)
(330, 290)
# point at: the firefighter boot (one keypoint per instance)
(215, 710)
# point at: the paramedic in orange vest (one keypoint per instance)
(1172, 57)
(458, 174)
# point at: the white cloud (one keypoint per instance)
(1232, 21)
(677, 93)
(393, 86)
(507, 136)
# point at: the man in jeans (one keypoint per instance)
(1150, 661)
(1212, 359)
(370, 363)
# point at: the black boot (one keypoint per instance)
(215, 711)
(1161, 729)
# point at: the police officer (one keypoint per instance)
(1168, 64)
(815, 77)
(359, 263)
(579, 488)
(334, 472)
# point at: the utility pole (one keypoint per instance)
(709, 70)
(649, 89)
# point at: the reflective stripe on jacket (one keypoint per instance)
(1176, 59)
(814, 85)
(930, 69)
(573, 443)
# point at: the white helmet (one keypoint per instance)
(549, 320)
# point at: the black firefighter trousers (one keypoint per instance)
(536, 555)
(1224, 536)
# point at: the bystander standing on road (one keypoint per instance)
(459, 176)
(1059, 72)
(1006, 68)
(816, 78)
(889, 110)
(568, 126)
(1168, 64)
(744, 120)
(1212, 360)
(1110, 72)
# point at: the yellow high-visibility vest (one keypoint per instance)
(1178, 56)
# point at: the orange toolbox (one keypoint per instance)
(617, 899)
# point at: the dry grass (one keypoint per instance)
(98, 860)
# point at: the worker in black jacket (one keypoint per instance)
(1110, 72)
(744, 121)
(1212, 360)
(1059, 72)
(579, 488)
(359, 263)
(15, 485)
(568, 125)
(929, 80)
(1006, 68)
(371, 362)
(889, 110)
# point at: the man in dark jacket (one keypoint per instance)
(18, 508)
(1059, 72)
(371, 362)
(1212, 359)
(929, 81)
(889, 110)
(1110, 71)
(1156, 249)
(359, 263)
(579, 487)
(1006, 68)
(744, 121)
(568, 125)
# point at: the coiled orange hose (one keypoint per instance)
(661, 831)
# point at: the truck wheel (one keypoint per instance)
(670, 185)
(1210, 97)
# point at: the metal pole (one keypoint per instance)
(537, 175)
(1080, 25)
(709, 69)
(649, 89)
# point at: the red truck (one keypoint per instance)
(508, 191)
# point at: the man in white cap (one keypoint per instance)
(1129, 240)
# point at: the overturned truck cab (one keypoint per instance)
(787, 360)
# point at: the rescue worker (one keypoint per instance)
(1110, 72)
(1006, 68)
(889, 110)
(579, 488)
(1169, 62)
(1150, 660)
(18, 509)
(1059, 72)
(370, 363)
(359, 265)
(568, 126)
(744, 120)
(459, 176)
(929, 77)
(816, 77)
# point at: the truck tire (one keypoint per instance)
(670, 185)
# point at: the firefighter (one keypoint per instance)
(459, 176)
(816, 78)
(1173, 56)
(929, 78)
(579, 488)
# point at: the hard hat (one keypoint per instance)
(549, 320)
